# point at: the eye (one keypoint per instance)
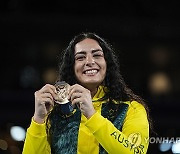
(80, 57)
(98, 55)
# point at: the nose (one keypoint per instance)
(90, 60)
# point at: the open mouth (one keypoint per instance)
(91, 72)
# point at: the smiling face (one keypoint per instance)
(90, 65)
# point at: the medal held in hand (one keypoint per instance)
(62, 89)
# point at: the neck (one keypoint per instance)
(92, 89)
(93, 92)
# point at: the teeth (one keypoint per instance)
(91, 72)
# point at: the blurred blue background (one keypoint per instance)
(144, 34)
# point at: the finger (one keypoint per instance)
(49, 89)
(52, 87)
(47, 95)
(70, 89)
(75, 95)
(79, 105)
(75, 86)
(73, 89)
(77, 101)
(47, 101)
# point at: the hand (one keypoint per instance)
(44, 102)
(82, 98)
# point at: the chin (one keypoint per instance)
(91, 83)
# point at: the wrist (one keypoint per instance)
(91, 114)
(38, 119)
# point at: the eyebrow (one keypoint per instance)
(84, 52)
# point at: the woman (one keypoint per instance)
(107, 116)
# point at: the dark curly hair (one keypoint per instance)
(117, 89)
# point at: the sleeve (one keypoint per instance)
(133, 139)
(36, 139)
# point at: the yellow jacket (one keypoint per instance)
(132, 139)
